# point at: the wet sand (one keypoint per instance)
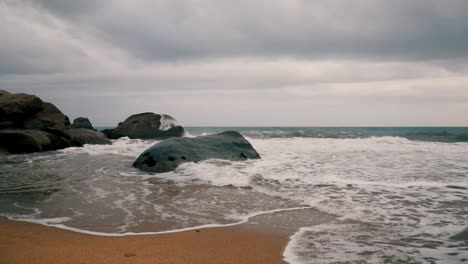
(22, 242)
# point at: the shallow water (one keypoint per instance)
(395, 200)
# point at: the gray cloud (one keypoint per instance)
(212, 62)
(179, 30)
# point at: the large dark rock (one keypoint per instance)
(30, 140)
(87, 136)
(81, 122)
(50, 116)
(16, 106)
(146, 126)
(169, 154)
(27, 124)
(23, 141)
(60, 140)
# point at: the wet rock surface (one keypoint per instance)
(87, 136)
(81, 122)
(169, 154)
(146, 126)
(28, 124)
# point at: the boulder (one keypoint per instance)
(17, 106)
(169, 154)
(49, 116)
(27, 124)
(87, 136)
(30, 140)
(4, 152)
(147, 126)
(81, 122)
(61, 141)
(24, 140)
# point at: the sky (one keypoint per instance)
(243, 62)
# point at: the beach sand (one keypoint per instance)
(22, 242)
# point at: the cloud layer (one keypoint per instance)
(308, 63)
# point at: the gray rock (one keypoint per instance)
(60, 140)
(87, 136)
(23, 141)
(50, 116)
(81, 122)
(17, 141)
(169, 154)
(27, 124)
(146, 126)
(16, 106)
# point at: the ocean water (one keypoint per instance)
(391, 195)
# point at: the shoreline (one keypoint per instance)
(23, 242)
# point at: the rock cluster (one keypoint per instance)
(28, 124)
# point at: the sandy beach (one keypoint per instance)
(23, 242)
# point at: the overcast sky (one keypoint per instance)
(243, 62)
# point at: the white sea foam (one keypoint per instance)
(57, 222)
(384, 189)
(167, 122)
(122, 146)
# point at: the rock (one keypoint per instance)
(107, 132)
(17, 106)
(87, 136)
(23, 141)
(30, 140)
(81, 122)
(27, 124)
(4, 152)
(50, 116)
(146, 126)
(61, 142)
(169, 154)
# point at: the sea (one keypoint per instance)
(388, 194)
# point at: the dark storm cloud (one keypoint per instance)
(178, 30)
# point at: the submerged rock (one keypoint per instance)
(169, 154)
(87, 136)
(146, 126)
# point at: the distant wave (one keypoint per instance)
(417, 136)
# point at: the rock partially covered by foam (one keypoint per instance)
(146, 126)
(169, 154)
(88, 136)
